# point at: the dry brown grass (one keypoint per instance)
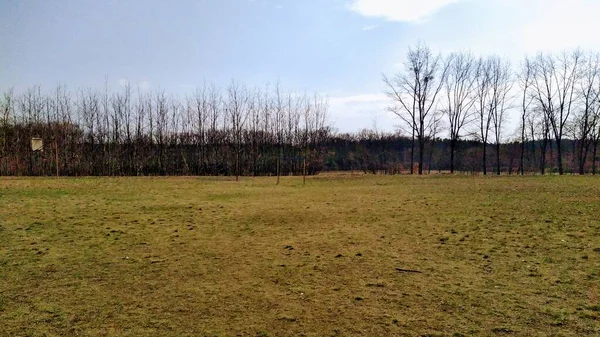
(211, 257)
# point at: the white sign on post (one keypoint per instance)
(37, 144)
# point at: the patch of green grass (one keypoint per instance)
(595, 308)
(343, 255)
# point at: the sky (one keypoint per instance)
(338, 48)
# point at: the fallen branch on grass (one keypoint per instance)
(409, 271)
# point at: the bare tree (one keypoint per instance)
(307, 116)
(161, 118)
(6, 108)
(415, 91)
(280, 122)
(201, 108)
(596, 139)
(237, 110)
(484, 105)
(214, 138)
(587, 118)
(501, 86)
(527, 99)
(460, 90)
(554, 83)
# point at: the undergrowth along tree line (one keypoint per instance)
(452, 110)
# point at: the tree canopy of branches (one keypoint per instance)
(558, 95)
(414, 92)
(235, 131)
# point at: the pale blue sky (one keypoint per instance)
(338, 48)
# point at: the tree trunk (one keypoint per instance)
(56, 157)
(581, 158)
(533, 158)
(430, 157)
(412, 153)
(594, 157)
(543, 156)
(421, 154)
(559, 155)
(522, 158)
(497, 158)
(237, 165)
(452, 151)
(304, 162)
(278, 169)
(279, 163)
(484, 160)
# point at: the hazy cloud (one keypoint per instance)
(560, 25)
(348, 111)
(359, 99)
(399, 10)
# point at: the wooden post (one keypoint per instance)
(304, 171)
(278, 169)
(56, 154)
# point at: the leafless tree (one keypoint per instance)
(484, 105)
(595, 135)
(415, 91)
(307, 119)
(161, 120)
(237, 111)
(460, 90)
(526, 100)
(280, 116)
(587, 116)
(555, 83)
(201, 109)
(6, 108)
(501, 85)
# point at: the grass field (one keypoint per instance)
(341, 256)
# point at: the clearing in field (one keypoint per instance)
(347, 256)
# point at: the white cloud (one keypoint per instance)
(362, 98)
(369, 27)
(351, 112)
(414, 11)
(559, 25)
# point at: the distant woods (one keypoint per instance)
(452, 113)
(232, 131)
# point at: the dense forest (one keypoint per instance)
(452, 109)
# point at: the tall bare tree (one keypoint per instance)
(415, 91)
(484, 105)
(526, 100)
(460, 90)
(587, 116)
(501, 86)
(237, 111)
(6, 108)
(555, 83)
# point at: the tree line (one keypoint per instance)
(557, 97)
(232, 131)
(375, 152)
(453, 111)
